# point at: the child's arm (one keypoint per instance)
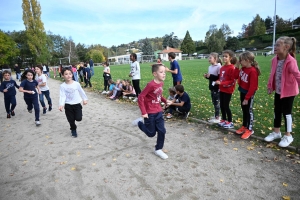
(2, 89)
(62, 98)
(16, 85)
(38, 89)
(83, 95)
(21, 89)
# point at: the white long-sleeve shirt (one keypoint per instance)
(135, 70)
(71, 94)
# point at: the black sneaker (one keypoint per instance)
(186, 115)
(8, 115)
(30, 111)
(74, 133)
(50, 108)
(44, 110)
(13, 113)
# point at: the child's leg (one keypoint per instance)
(277, 112)
(215, 96)
(148, 127)
(13, 102)
(28, 102)
(7, 104)
(223, 112)
(287, 106)
(36, 106)
(77, 108)
(245, 109)
(227, 98)
(41, 97)
(47, 95)
(161, 131)
(70, 114)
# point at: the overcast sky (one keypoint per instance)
(114, 22)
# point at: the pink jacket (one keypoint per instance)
(290, 78)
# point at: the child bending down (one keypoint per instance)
(181, 103)
(71, 95)
(149, 102)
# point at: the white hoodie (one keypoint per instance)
(135, 70)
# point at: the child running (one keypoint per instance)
(71, 95)
(248, 83)
(29, 86)
(42, 81)
(8, 88)
(284, 80)
(226, 84)
(149, 103)
(212, 76)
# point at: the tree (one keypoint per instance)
(257, 26)
(35, 32)
(96, 55)
(268, 22)
(8, 49)
(170, 41)
(81, 51)
(215, 39)
(226, 31)
(147, 48)
(232, 43)
(188, 45)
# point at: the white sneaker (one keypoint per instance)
(286, 141)
(169, 116)
(125, 97)
(228, 125)
(135, 100)
(161, 154)
(104, 92)
(272, 136)
(214, 120)
(37, 123)
(135, 122)
(130, 98)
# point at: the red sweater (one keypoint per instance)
(227, 81)
(149, 99)
(247, 80)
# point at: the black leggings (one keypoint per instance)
(224, 105)
(106, 87)
(73, 113)
(283, 107)
(248, 115)
(136, 86)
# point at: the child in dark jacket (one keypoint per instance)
(8, 88)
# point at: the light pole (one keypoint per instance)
(293, 21)
(274, 29)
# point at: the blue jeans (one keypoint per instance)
(92, 71)
(18, 76)
(47, 95)
(75, 76)
(154, 123)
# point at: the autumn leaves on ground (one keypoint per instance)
(111, 159)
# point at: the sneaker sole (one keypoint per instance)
(248, 136)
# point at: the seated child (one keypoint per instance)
(172, 94)
(111, 87)
(117, 88)
(181, 103)
(130, 92)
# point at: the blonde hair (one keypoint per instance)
(291, 41)
(249, 56)
(216, 57)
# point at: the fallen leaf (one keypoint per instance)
(250, 148)
(221, 180)
(286, 197)
(285, 184)
(235, 149)
(73, 168)
(94, 164)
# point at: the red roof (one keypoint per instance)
(169, 49)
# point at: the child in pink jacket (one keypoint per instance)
(284, 80)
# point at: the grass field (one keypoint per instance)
(197, 88)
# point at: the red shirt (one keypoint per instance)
(247, 80)
(149, 99)
(226, 77)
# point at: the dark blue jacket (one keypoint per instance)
(10, 86)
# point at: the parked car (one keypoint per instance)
(252, 49)
(269, 47)
(238, 51)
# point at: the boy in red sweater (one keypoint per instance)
(226, 84)
(248, 83)
(149, 102)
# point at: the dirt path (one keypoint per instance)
(111, 159)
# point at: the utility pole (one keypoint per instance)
(274, 29)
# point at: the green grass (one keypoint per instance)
(197, 88)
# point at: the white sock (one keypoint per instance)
(288, 123)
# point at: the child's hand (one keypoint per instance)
(169, 102)
(207, 75)
(167, 69)
(245, 102)
(145, 116)
(84, 102)
(217, 82)
(269, 91)
(5, 90)
(60, 108)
